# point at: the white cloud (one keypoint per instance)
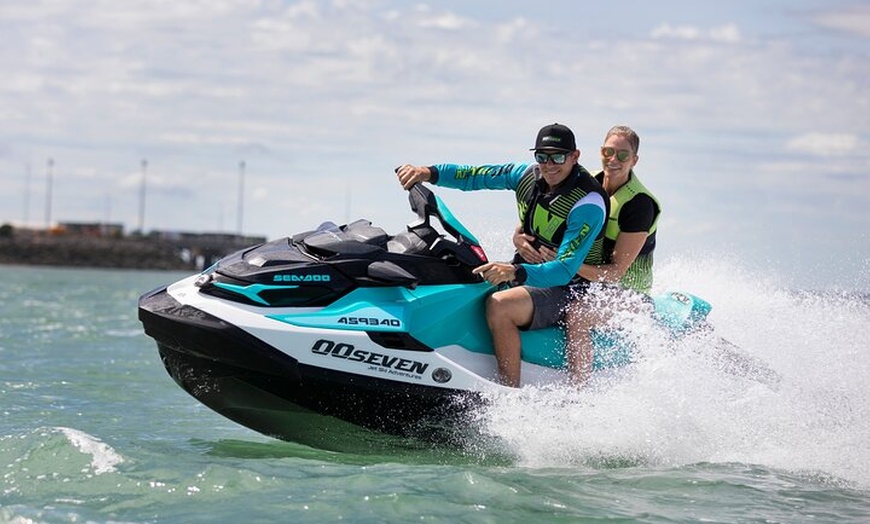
(203, 139)
(853, 19)
(676, 32)
(729, 33)
(518, 28)
(447, 21)
(826, 145)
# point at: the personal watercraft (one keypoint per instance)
(347, 323)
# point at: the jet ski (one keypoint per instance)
(346, 327)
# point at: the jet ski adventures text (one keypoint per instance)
(376, 360)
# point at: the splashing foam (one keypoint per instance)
(678, 405)
(103, 457)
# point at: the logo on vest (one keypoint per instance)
(546, 224)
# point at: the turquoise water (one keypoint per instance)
(94, 430)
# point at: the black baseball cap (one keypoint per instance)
(555, 136)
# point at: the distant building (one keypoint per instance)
(91, 229)
(206, 239)
(204, 249)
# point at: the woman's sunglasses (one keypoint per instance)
(557, 158)
(621, 154)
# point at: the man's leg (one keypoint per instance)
(506, 312)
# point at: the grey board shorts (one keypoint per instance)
(550, 303)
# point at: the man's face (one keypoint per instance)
(556, 164)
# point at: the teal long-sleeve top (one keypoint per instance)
(584, 221)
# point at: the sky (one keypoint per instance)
(267, 117)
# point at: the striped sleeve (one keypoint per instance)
(473, 178)
(585, 221)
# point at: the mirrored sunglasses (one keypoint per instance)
(557, 158)
(621, 154)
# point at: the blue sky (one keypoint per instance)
(754, 116)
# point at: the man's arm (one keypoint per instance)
(584, 224)
(463, 177)
(473, 178)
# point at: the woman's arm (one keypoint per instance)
(628, 245)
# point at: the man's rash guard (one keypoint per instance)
(583, 223)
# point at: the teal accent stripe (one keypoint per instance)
(252, 291)
(436, 315)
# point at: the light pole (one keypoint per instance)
(49, 176)
(241, 197)
(142, 199)
(27, 195)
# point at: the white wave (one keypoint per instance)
(677, 405)
(103, 457)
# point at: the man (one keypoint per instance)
(562, 207)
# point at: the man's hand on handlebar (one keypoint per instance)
(409, 175)
(496, 272)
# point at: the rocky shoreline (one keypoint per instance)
(122, 253)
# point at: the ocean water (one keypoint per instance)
(92, 429)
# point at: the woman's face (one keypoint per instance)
(614, 147)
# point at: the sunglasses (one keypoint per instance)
(621, 154)
(557, 158)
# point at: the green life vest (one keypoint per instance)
(546, 216)
(639, 275)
